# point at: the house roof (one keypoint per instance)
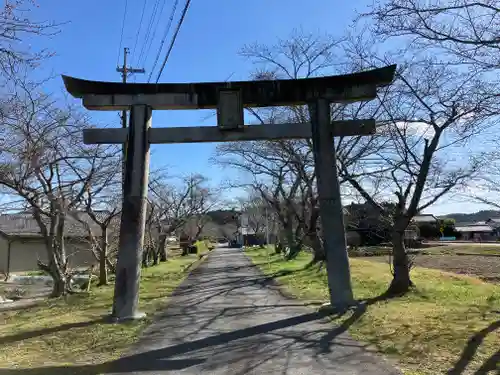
(425, 218)
(25, 225)
(493, 222)
(474, 228)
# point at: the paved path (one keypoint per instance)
(226, 319)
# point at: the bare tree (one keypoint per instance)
(17, 24)
(44, 162)
(283, 171)
(255, 208)
(195, 225)
(485, 189)
(429, 117)
(466, 31)
(173, 205)
(270, 176)
(100, 206)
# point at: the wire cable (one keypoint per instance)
(148, 30)
(121, 36)
(139, 29)
(165, 34)
(155, 28)
(184, 11)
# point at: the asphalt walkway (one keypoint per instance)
(226, 318)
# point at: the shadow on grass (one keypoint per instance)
(475, 341)
(47, 331)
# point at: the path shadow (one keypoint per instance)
(278, 341)
(213, 287)
(470, 350)
(244, 341)
(159, 359)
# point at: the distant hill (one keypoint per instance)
(221, 223)
(471, 218)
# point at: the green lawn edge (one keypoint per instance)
(426, 332)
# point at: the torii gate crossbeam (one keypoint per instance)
(229, 98)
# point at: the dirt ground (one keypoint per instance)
(486, 268)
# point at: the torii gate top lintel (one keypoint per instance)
(98, 95)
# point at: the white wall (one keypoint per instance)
(24, 255)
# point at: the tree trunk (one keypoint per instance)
(57, 263)
(163, 250)
(103, 257)
(61, 284)
(111, 266)
(294, 250)
(319, 254)
(290, 238)
(294, 247)
(156, 258)
(145, 258)
(60, 287)
(401, 282)
(164, 254)
(103, 271)
(278, 247)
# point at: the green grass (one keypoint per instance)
(203, 246)
(425, 331)
(69, 333)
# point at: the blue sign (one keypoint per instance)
(448, 238)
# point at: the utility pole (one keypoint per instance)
(125, 71)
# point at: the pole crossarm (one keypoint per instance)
(353, 87)
(200, 134)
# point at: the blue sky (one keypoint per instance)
(206, 50)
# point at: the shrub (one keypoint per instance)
(369, 252)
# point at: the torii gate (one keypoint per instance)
(230, 99)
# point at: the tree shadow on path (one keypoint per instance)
(161, 359)
(192, 333)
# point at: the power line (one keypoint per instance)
(148, 30)
(165, 34)
(140, 26)
(184, 11)
(154, 33)
(121, 36)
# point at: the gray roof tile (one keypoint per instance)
(24, 224)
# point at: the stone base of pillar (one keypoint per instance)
(136, 316)
(329, 309)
